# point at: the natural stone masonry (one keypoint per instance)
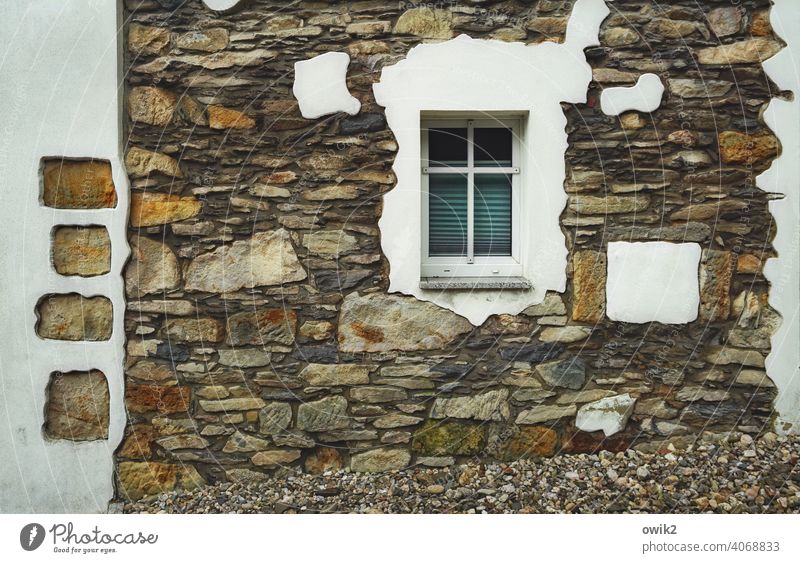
(77, 406)
(261, 330)
(81, 251)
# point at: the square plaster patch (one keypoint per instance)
(653, 282)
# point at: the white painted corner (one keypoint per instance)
(645, 96)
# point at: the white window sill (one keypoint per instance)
(496, 282)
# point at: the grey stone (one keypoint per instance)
(545, 413)
(377, 394)
(325, 375)
(275, 418)
(381, 459)
(492, 405)
(563, 373)
(244, 357)
(362, 123)
(329, 413)
(534, 352)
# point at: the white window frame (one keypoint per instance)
(470, 265)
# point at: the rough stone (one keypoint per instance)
(722, 356)
(153, 208)
(275, 458)
(147, 40)
(330, 244)
(194, 330)
(275, 418)
(78, 184)
(396, 421)
(377, 323)
(323, 459)
(534, 352)
(151, 105)
(436, 438)
(725, 20)
(377, 394)
(329, 413)
(570, 374)
(74, 317)
(148, 478)
(329, 375)
(565, 334)
(704, 211)
(161, 399)
(141, 163)
(716, 274)
(381, 459)
(266, 259)
(545, 413)
(262, 327)
(741, 148)
(81, 251)
(77, 406)
(749, 51)
(226, 118)
(492, 405)
(553, 304)
(138, 441)
(239, 442)
(691, 88)
(589, 286)
(244, 357)
(427, 23)
(530, 441)
(609, 415)
(238, 404)
(594, 205)
(153, 268)
(206, 40)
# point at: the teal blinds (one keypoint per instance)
(447, 212)
(492, 215)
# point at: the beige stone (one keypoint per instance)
(81, 251)
(151, 105)
(381, 459)
(427, 23)
(377, 322)
(74, 317)
(327, 375)
(142, 163)
(148, 478)
(226, 118)
(147, 40)
(275, 458)
(545, 413)
(594, 205)
(153, 268)
(207, 40)
(749, 51)
(330, 244)
(716, 275)
(194, 330)
(268, 258)
(77, 406)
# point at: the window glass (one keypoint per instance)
(493, 146)
(447, 147)
(447, 215)
(492, 234)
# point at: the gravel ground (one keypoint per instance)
(739, 475)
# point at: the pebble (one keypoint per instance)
(762, 479)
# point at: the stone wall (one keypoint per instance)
(260, 331)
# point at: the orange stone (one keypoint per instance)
(157, 398)
(748, 264)
(225, 118)
(588, 286)
(148, 209)
(532, 440)
(716, 274)
(78, 184)
(138, 442)
(741, 148)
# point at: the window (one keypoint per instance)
(471, 202)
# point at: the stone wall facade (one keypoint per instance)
(260, 330)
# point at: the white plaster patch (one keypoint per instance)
(466, 74)
(221, 5)
(320, 86)
(60, 98)
(644, 97)
(653, 282)
(609, 415)
(783, 272)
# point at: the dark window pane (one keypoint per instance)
(493, 147)
(447, 215)
(447, 147)
(492, 215)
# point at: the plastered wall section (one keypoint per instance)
(783, 272)
(59, 73)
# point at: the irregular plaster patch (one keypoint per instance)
(644, 97)
(783, 272)
(653, 282)
(221, 5)
(78, 58)
(491, 76)
(320, 86)
(609, 415)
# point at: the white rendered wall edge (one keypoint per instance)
(60, 98)
(534, 80)
(320, 86)
(783, 272)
